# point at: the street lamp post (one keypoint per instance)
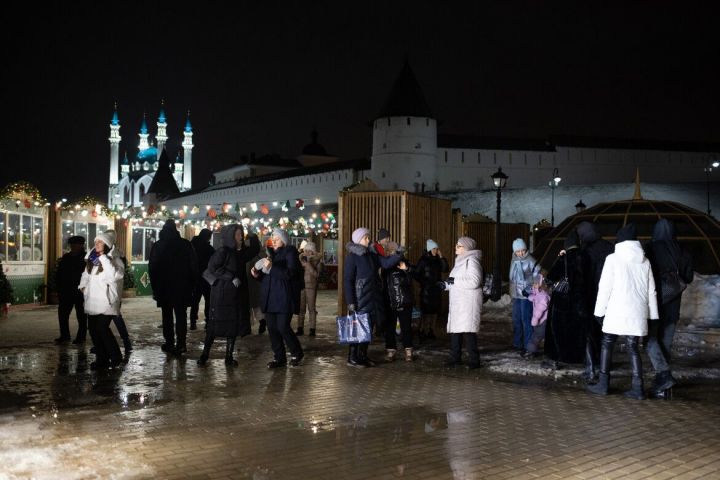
(554, 182)
(499, 180)
(708, 169)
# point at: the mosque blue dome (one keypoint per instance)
(149, 154)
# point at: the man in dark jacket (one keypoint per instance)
(203, 252)
(665, 255)
(173, 269)
(67, 280)
(593, 251)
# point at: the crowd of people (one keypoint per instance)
(574, 313)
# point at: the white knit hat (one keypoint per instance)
(359, 233)
(106, 239)
(282, 235)
(430, 244)
(519, 244)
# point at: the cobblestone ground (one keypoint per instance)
(163, 417)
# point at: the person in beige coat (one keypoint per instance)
(626, 299)
(466, 299)
(311, 263)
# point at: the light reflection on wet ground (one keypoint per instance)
(163, 417)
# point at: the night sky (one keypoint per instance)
(258, 79)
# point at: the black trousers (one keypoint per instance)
(64, 309)
(279, 330)
(405, 317)
(106, 347)
(202, 291)
(471, 346)
(179, 327)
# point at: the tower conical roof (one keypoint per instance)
(143, 126)
(161, 116)
(406, 97)
(115, 120)
(188, 125)
(163, 183)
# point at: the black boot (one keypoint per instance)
(300, 331)
(209, 339)
(352, 359)
(363, 356)
(663, 381)
(262, 328)
(636, 390)
(229, 349)
(590, 373)
(601, 387)
(312, 332)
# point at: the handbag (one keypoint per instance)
(671, 285)
(209, 277)
(353, 328)
(563, 285)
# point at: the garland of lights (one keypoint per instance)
(84, 206)
(22, 193)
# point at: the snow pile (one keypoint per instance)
(700, 305)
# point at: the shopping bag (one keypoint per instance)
(354, 328)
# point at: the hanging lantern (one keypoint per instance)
(226, 207)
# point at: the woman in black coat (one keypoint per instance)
(428, 273)
(362, 287)
(281, 277)
(593, 251)
(565, 330)
(229, 306)
(665, 255)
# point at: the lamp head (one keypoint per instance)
(499, 178)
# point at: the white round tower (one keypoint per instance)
(404, 153)
(114, 157)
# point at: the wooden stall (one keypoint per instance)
(411, 219)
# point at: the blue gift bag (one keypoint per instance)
(354, 328)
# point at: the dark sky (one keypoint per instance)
(257, 79)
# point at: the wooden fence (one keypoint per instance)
(410, 219)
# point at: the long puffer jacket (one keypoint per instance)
(626, 294)
(466, 296)
(229, 305)
(666, 255)
(102, 286)
(361, 281)
(429, 272)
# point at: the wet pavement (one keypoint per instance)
(163, 417)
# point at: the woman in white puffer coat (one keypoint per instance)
(102, 284)
(465, 286)
(626, 299)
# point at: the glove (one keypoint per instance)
(236, 282)
(600, 319)
(450, 280)
(441, 285)
(351, 307)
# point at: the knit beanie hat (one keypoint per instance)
(626, 233)
(105, 239)
(467, 242)
(519, 244)
(282, 235)
(359, 233)
(383, 233)
(303, 244)
(430, 244)
(310, 247)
